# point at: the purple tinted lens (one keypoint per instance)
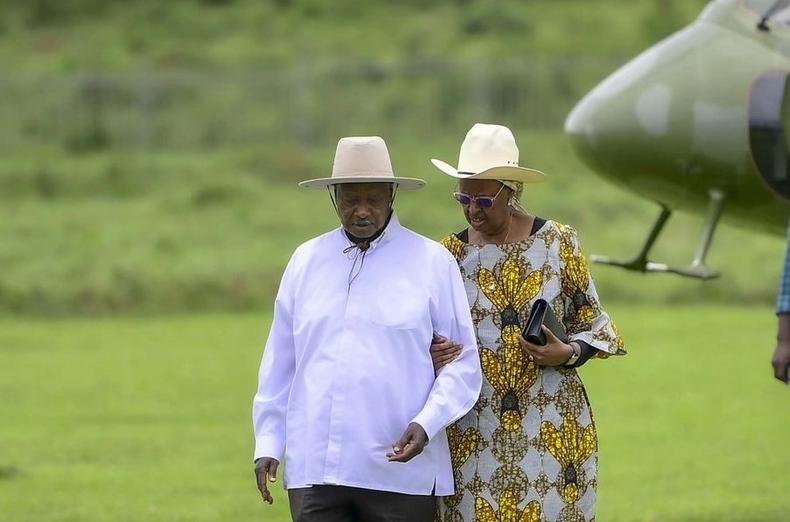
(462, 198)
(484, 202)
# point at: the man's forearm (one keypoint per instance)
(454, 393)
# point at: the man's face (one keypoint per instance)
(363, 207)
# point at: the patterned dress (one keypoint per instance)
(528, 449)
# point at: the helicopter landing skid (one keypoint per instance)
(697, 269)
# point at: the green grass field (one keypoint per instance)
(149, 419)
(148, 205)
(115, 233)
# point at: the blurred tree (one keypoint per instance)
(493, 17)
(53, 12)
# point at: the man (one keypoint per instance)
(347, 390)
(781, 358)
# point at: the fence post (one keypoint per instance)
(145, 105)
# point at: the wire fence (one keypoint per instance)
(306, 103)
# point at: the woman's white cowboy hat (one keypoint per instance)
(363, 160)
(490, 152)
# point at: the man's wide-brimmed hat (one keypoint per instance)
(490, 152)
(363, 160)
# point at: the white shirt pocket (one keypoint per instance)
(396, 302)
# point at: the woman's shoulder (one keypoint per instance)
(564, 231)
(454, 244)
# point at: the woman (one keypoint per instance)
(528, 449)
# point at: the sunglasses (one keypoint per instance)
(481, 201)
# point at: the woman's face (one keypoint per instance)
(487, 221)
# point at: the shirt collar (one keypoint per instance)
(390, 231)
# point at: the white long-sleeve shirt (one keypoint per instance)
(346, 367)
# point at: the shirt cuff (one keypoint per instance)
(430, 426)
(587, 353)
(268, 447)
(783, 304)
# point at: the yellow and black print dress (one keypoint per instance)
(528, 449)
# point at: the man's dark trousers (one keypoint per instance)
(346, 504)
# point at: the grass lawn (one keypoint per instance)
(149, 419)
(163, 232)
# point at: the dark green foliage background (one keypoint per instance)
(150, 150)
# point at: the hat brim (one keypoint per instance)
(402, 183)
(505, 173)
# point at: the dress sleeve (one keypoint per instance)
(585, 320)
(276, 375)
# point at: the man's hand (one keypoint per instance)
(781, 360)
(443, 352)
(266, 471)
(411, 444)
(553, 353)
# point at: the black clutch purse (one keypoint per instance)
(541, 314)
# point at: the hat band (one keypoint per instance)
(465, 173)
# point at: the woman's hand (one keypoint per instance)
(443, 352)
(554, 353)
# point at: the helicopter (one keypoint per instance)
(699, 123)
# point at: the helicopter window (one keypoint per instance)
(769, 115)
(782, 17)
